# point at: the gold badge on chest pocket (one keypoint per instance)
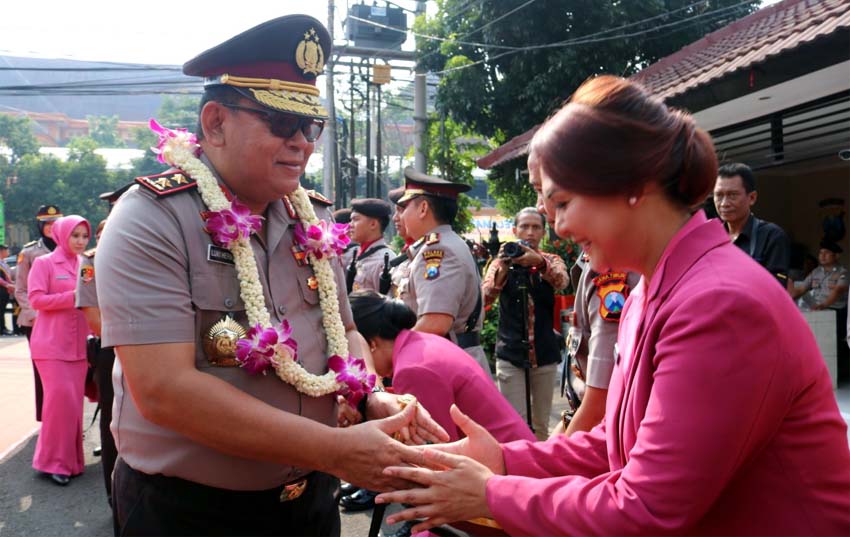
(220, 342)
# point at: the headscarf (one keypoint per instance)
(62, 229)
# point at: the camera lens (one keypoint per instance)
(512, 249)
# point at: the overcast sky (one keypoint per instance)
(136, 31)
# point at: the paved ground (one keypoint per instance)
(31, 505)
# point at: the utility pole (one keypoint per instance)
(420, 114)
(352, 156)
(330, 150)
(369, 165)
(378, 151)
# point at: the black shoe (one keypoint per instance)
(97, 451)
(60, 479)
(403, 530)
(347, 489)
(362, 500)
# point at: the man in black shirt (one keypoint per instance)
(734, 195)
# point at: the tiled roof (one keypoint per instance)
(746, 42)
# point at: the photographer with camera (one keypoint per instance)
(525, 280)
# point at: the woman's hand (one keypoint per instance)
(454, 476)
(459, 492)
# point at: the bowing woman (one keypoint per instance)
(58, 347)
(720, 415)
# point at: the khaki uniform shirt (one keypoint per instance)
(444, 279)
(369, 269)
(86, 293)
(26, 317)
(592, 337)
(399, 275)
(161, 280)
(820, 283)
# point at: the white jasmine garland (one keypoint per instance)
(180, 152)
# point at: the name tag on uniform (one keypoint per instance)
(218, 254)
(62, 277)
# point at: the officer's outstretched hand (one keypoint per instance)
(369, 447)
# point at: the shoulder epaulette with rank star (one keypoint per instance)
(312, 194)
(90, 253)
(433, 238)
(167, 183)
(30, 243)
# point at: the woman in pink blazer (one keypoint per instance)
(58, 347)
(720, 415)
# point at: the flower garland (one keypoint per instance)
(264, 346)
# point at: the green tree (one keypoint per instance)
(497, 83)
(175, 112)
(452, 150)
(104, 131)
(16, 135)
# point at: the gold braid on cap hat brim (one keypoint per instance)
(280, 94)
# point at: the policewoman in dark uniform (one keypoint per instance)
(46, 215)
(444, 287)
(369, 220)
(205, 448)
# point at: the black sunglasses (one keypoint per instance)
(285, 125)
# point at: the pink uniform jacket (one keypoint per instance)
(723, 421)
(60, 329)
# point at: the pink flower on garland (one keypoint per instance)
(323, 239)
(255, 352)
(229, 225)
(166, 135)
(285, 343)
(353, 374)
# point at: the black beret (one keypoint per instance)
(395, 194)
(275, 64)
(371, 207)
(342, 216)
(831, 246)
(113, 196)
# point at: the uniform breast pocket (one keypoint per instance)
(220, 319)
(308, 284)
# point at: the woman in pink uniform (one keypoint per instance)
(720, 415)
(433, 369)
(58, 347)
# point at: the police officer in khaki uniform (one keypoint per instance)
(369, 219)
(400, 271)
(444, 288)
(104, 357)
(46, 215)
(592, 334)
(204, 446)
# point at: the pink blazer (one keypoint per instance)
(60, 329)
(721, 421)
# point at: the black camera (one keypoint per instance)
(513, 249)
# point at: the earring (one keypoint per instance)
(633, 201)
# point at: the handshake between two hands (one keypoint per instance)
(401, 450)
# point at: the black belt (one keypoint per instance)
(466, 340)
(216, 496)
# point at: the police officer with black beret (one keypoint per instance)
(369, 220)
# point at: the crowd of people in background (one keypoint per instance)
(697, 398)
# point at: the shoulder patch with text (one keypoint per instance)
(433, 260)
(613, 291)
